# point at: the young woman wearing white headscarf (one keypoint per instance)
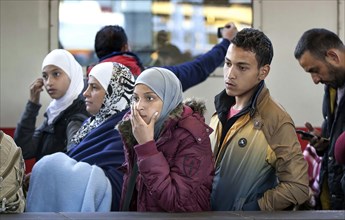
(169, 163)
(62, 77)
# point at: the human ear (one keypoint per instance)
(332, 56)
(264, 72)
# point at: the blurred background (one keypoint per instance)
(30, 29)
(190, 25)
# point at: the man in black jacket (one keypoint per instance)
(321, 53)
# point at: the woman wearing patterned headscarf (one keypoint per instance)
(62, 77)
(169, 164)
(88, 178)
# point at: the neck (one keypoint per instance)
(242, 101)
(237, 107)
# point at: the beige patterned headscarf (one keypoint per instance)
(118, 82)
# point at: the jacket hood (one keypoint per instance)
(128, 59)
(196, 106)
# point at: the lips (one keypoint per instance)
(229, 84)
(51, 91)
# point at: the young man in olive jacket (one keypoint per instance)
(259, 161)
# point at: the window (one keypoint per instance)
(186, 28)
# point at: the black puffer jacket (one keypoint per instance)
(332, 127)
(48, 139)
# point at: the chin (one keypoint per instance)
(55, 96)
(229, 93)
(89, 111)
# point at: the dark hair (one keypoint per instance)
(257, 42)
(109, 39)
(162, 37)
(317, 41)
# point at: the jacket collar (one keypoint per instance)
(223, 102)
(116, 53)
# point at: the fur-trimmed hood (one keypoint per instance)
(125, 127)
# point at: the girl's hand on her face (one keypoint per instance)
(142, 131)
(35, 90)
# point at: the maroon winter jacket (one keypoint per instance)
(176, 171)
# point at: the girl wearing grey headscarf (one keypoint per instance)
(168, 158)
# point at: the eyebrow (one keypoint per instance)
(312, 69)
(239, 63)
(54, 69)
(243, 64)
(146, 93)
(94, 83)
(150, 93)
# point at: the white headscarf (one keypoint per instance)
(118, 82)
(65, 61)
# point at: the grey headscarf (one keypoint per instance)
(167, 86)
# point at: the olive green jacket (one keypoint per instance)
(260, 159)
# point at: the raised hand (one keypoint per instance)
(142, 131)
(229, 31)
(35, 90)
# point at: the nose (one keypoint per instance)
(229, 73)
(49, 81)
(316, 79)
(86, 93)
(139, 105)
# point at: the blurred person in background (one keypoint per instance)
(111, 44)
